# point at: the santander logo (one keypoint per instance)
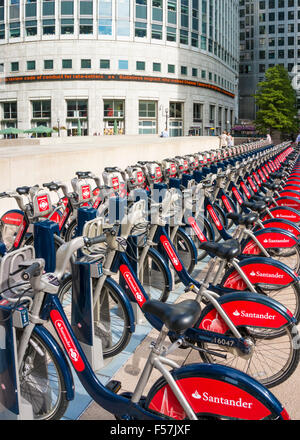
(209, 397)
(171, 253)
(132, 284)
(86, 193)
(43, 203)
(67, 340)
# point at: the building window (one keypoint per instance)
(41, 109)
(147, 117)
(48, 8)
(10, 110)
(49, 27)
(67, 8)
(156, 67)
(86, 26)
(157, 10)
(114, 117)
(183, 70)
(48, 64)
(104, 64)
(123, 64)
(156, 32)
(77, 117)
(194, 72)
(105, 17)
(67, 26)
(14, 30)
(171, 33)
(176, 119)
(171, 68)
(14, 67)
(197, 112)
(67, 64)
(86, 64)
(86, 8)
(31, 28)
(30, 65)
(140, 29)
(140, 65)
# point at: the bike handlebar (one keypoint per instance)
(32, 271)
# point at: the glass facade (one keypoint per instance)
(173, 43)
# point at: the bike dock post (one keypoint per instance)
(83, 321)
(12, 405)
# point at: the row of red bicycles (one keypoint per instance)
(151, 228)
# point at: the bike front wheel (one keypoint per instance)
(42, 382)
(154, 278)
(110, 316)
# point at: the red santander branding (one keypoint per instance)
(12, 218)
(215, 217)
(67, 340)
(237, 195)
(115, 183)
(199, 233)
(43, 203)
(245, 189)
(171, 253)
(243, 313)
(86, 192)
(210, 396)
(227, 204)
(266, 273)
(132, 284)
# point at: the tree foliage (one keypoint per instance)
(277, 102)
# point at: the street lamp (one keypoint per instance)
(58, 127)
(167, 115)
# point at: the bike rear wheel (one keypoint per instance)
(273, 359)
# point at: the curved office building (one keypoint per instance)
(119, 66)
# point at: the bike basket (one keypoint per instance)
(10, 273)
(41, 202)
(82, 189)
(137, 177)
(91, 229)
(113, 180)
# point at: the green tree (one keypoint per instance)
(277, 102)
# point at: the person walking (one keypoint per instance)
(223, 140)
(230, 140)
(298, 139)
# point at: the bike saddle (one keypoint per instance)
(260, 198)
(256, 206)
(176, 317)
(82, 174)
(226, 250)
(273, 186)
(243, 219)
(52, 186)
(23, 190)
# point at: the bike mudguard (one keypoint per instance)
(269, 238)
(59, 355)
(283, 212)
(291, 202)
(281, 224)
(13, 217)
(259, 270)
(289, 193)
(245, 309)
(215, 391)
(291, 187)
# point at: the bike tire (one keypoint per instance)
(274, 358)
(112, 327)
(154, 278)
(185, 252)
(42, 381)
(70, 230)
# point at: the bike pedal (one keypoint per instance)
(114, 386)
